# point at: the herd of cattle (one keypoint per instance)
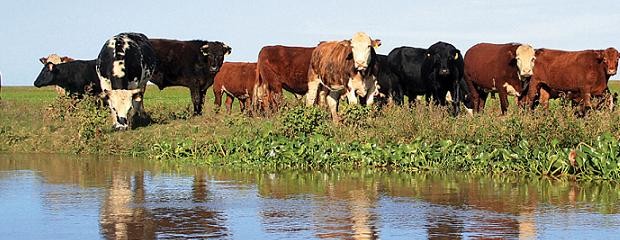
(332, 70)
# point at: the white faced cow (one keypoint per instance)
(124, 66)
(347, 66)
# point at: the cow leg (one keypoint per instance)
(229, 102)
(197, 100)
(543, 98)
(482, 101)
(352, 97)
(586, 103)
(503, 100)
(218, 99)
(242, 104)
(313, 88)
(333, 100)
(323, 91)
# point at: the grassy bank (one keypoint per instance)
(550, 143)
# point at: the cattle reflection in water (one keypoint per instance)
(132, 199)
(127, 212)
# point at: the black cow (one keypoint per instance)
(432, 72)
(125, 65)
(191, 64)
(390, 91)
(78, 77)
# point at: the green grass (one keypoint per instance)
(550, 143)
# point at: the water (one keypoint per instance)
(69, 197)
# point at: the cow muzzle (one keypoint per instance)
(214, 69)
(611, 72)
(121, 124)
(444, 72)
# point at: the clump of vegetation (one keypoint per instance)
(300, 120)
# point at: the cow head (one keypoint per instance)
(361, 49)
(55, 59)
(121, 103)
(610, 59)
(443, 57)
(213, 53)
(47, 75)
(525, 57)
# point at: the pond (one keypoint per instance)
(76, 197)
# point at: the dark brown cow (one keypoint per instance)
(191, 64)
(502, 68)
(237, 80)
(281, 67)
(584, 73)
(347, 67)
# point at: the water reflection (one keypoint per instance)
(137, 199)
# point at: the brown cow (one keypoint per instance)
(55, 59)
(502, 68)
(237, 80)
(347, 66)
(281, 67)
(610, 59)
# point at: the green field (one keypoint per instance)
(550, 142)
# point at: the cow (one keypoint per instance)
(77, 77)
(84, 82)
(236, 80)
(192, 64)
(502, 68)
(280, 67)
(125, 64)
(607, 99)
(443, 70)
(390, 91)
(581, 74)
(347, 66)
(434, 72)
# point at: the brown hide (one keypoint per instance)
(487, 68)
(236, 80)
(281, 67)
(582, 74)
(332, 63)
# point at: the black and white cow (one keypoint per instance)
(77, 77)
(125, 65)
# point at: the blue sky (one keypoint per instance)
(31, 29)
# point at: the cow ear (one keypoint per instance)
(204, 49)
(228, 50)
(538, 51)
(376, 43)
(43, 60)
(350, 56)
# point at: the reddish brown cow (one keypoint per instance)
(237, 80)
(281, 67)
(584, 73)
(610, 59)
(347, 67)
(502, 68)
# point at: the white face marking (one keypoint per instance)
(121, 102)
(361, 44)
(54, 58)
(112, 43)
(126, 42)
(525, 56)
(511, 90)
(118, 69)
